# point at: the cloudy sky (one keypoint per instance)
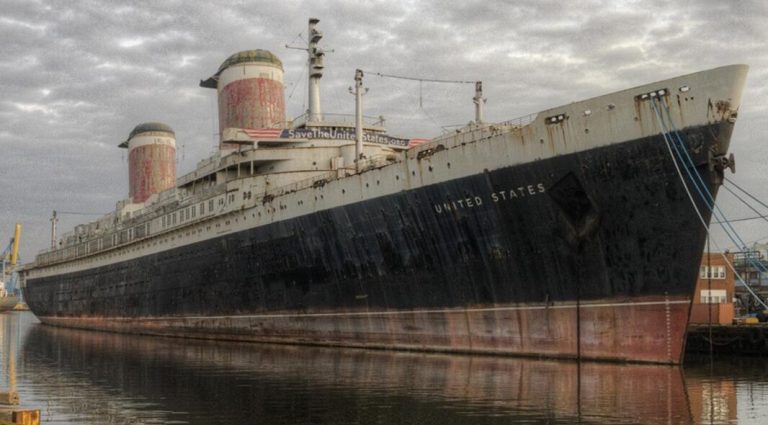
(77, 76)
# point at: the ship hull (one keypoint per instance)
(593, 254)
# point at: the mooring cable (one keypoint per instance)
(695, 207)
(710, 199)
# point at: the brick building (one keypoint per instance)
(714, 290)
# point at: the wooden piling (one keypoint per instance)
(22, 417)
(9, 398)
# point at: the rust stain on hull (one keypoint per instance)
(639, 330)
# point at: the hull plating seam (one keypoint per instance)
(583, 306)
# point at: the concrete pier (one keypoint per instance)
(751, 339)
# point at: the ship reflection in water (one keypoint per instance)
(85, 377)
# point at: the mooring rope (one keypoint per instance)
(669, 144)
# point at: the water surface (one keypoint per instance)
(85, 377)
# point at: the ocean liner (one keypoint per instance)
(569, 233)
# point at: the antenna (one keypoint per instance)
(315, 66)
(54, 220)
(358, 92)
(478, 99)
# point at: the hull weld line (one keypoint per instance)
(381, 313)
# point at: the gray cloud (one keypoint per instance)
(75, 78)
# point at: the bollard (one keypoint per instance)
(9, 397)
(26, 417)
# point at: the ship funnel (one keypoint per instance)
(151, 160)
(250, 90)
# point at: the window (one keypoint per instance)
(716, 272)
(202, 208)
(194, 211)
(714, 296)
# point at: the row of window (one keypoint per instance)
(189, 213)
(714, 296)
(714, 272)
(167, 221)
(171, 236)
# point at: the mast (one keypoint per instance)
(358, 118)
(54, 220)
(315, 64)
(479, 101)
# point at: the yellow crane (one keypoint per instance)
(15, 249)
(10, 255)
(8, 260)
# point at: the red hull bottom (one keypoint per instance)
(648, 329)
